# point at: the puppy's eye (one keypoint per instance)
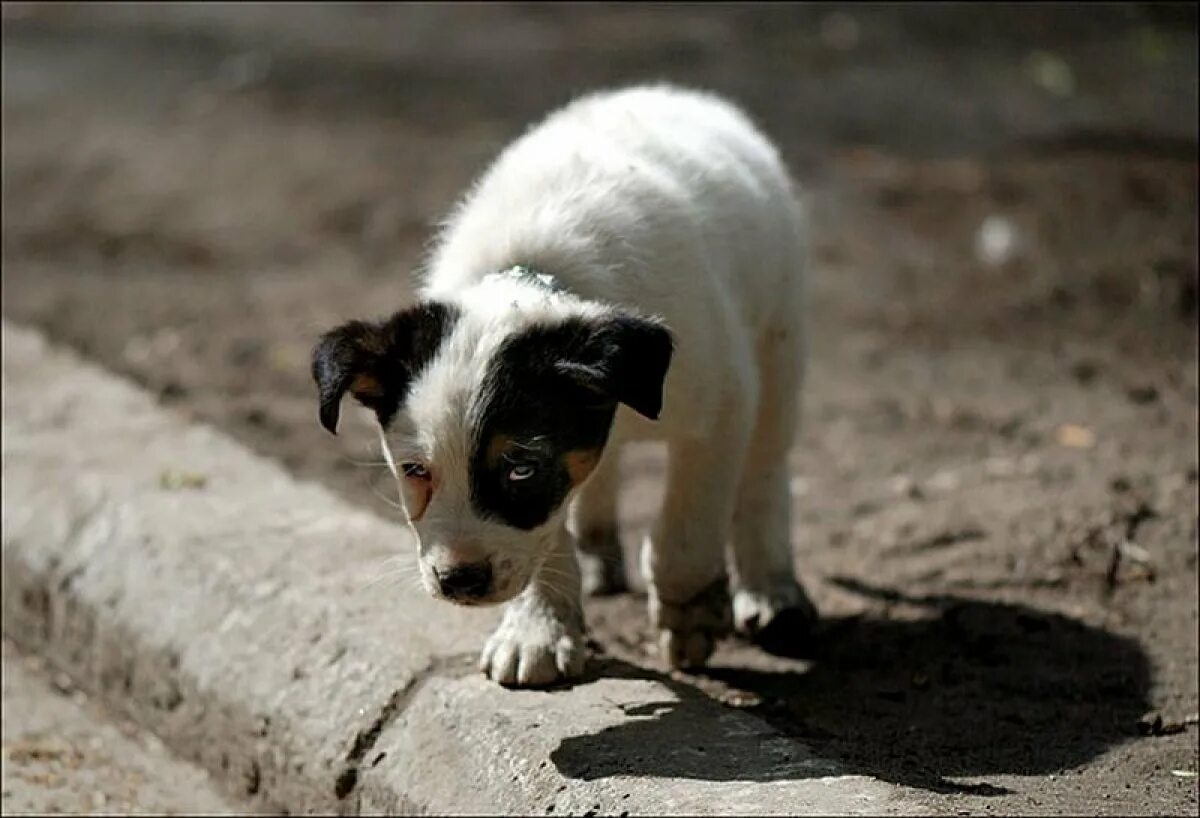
(518, 473)
(415, 470)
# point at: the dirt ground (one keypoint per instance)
(996, 481)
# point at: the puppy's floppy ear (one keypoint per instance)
(376, 362)
(625, 358)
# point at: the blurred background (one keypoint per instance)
(1001, 420)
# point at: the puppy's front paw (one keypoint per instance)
(784, 607)
(530, 650)
(688, 632)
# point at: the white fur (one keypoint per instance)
(668, 202)
(665, 200)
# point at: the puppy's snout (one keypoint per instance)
(466, 581)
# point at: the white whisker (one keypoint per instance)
(394, 504)
(365, 463)
(561, 594)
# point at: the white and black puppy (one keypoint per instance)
(629, 269)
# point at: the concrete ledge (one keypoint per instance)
(229, 608)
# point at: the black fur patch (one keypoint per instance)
(551, 396)
(376, 362)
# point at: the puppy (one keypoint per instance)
(629, 269)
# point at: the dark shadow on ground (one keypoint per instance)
(973, 690)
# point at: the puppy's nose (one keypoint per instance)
(473, 580)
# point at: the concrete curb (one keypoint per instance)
(227, 607)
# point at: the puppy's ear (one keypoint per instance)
(376, 362)
(624, 359)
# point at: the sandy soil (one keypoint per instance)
(996, 483)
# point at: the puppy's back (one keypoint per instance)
(632, 195)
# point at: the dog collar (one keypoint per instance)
(527, 275)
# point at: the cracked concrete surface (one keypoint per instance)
(221, 604)
(64, 753)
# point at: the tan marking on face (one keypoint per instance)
(497, 446)
(580, 463)
(366, 386)
(417, 494)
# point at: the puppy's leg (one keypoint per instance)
(765, 585)
(683, 559)
(764, 581)
(540, 640)
(594, 525)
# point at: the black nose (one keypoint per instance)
(466, 580)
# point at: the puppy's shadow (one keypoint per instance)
(972, 690)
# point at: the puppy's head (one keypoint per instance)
(493, 409)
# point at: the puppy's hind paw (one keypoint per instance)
(775, 617)
(689, 632)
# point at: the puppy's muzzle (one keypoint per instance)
(466, 582)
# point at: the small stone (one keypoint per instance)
(996, 241)
(1074, 436)
(741, 699)
(999, 467)
(1051, 73)
(63, 683)
(944, 480)
(1085, 371)
(175, 481)
(1142, 395)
